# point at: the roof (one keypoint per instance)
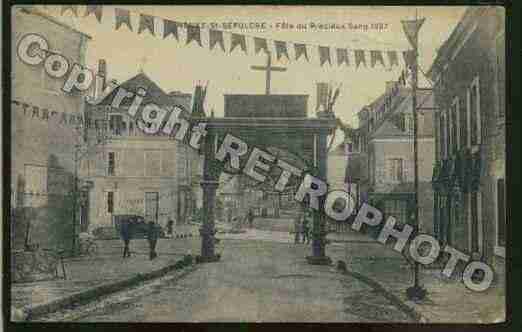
(154, 93)
(34, 11)
(387, 128)
(470, 16)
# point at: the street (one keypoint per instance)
(257, 280)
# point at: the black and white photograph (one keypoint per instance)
(256, 164)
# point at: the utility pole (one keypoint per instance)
(416, 292)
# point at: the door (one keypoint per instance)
(151, 206)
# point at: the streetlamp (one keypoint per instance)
(411, 28)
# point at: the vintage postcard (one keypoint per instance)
(257, 164)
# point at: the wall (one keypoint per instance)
(42, 150)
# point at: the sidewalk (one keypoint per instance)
(107, 267)
(448, 300)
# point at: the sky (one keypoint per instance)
(177, 66)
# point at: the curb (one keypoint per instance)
(102, 290)
(408, 309)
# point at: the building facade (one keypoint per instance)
(42, 139)
(133, 172)
(469, 174)
(381, 163)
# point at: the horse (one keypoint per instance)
(133, 226)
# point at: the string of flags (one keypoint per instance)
(326, 54)
(62, 118)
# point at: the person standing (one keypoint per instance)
(170, 223)
(152, 237)
(306, 228)
(297, 227)
(250, 218)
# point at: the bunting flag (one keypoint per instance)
(72, 8)
(376, 56)
(393, 58)
(280, 47)
(342, 56)
(411, 29)
(96, 10)
(409, 58)
(300, 49)
(170, 28)
(146, 22)
(122, 16)
(237, 39)
(45, 114)
(193, 33)
(216, 36)
(324, 55)
(260, 44)
(359, 58)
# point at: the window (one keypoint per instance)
(409, 123)
(397, 210)
(35, 191)
(111, 163)
(152, 163)
(110, 202)
(474, 109)
(501, 75)
(454, 125)
(463, 124)
(442, 136)
(501, 218)
(116, 124)
(447, 133)
(402, 122)
(476, 232)
(396, 169)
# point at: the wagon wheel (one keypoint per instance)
(23, 266)
(92, 249)
(46, 262)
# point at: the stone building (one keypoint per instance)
(42, 137)
(469, 173)
(133, 172)
(382, 158)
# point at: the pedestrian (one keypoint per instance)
(306, 228)
(170, 223)
(297, 227)
(250, 218)
(152, 237)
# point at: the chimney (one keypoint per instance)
(102, 71)
(389, 86)
(322, 96)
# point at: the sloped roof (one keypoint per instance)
(386, 127)
(154, 93)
